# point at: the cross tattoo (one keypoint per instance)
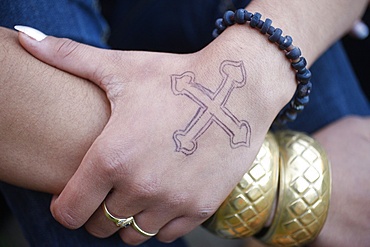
(212, 107)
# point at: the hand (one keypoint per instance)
(163, 157)
(347, 143)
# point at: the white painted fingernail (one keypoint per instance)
(360, 30)
(33, 33)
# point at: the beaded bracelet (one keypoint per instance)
(293, 53)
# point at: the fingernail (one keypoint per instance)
(360, 30)
(31, 32)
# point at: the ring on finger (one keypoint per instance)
(141, 231)
(120, 222)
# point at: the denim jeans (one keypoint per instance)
(178, 26)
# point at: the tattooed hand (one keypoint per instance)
(183, 130)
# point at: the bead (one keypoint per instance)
(304, 89)
(276, 35)
(302, 101)
(280, 41)
(215, 33)
(302, 70)
(283, 117)
(301, 64)
(304, 77)
(260, 24)
(291, 115)
(239, 16)
(255, 19)
(271, 30)
(286, 43)
(294, 54)
(219, 24)
(266, 25)
(297, 108)
(280, 121)
(228, 18)
(248, 16)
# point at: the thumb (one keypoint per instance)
(81, 60)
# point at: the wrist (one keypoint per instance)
(271, 81)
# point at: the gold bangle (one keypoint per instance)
(304, 194)
(248, 207)
(303, 200)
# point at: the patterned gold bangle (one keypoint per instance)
(248, 207)
(304, 194)
(303, 200)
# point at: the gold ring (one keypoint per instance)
(119, 222)
(305, 188)
(249, 205)
(141, 231)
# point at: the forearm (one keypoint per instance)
(48, 119)
(314, 26)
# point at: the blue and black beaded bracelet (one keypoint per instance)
(293, 53)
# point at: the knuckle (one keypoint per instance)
(108, 166)
(113, 84)
(146, 187)
(108, 77)
(112, 163)
(178, 199)
(67, 217)
(203, 212)
(65, 47)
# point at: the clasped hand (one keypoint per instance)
(133, 166)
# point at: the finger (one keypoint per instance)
(106, 219)
(81, 60)
(177, 228)
(84, 192)
(147, 225)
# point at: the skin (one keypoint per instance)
(347, 144)
(48, 121)
(126, 173)
(115, 162)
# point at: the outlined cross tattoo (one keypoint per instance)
(212, 107)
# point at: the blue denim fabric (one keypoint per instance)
(76, 19)
(180, 26)
(158, 25)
